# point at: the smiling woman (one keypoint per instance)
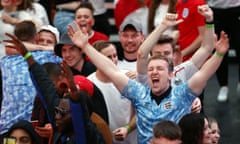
(195, 129)
(213, 124)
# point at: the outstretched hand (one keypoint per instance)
(71, 86)
(222, 45)
(206, 11)
(66, 71)
(16, 44)
(79, 37)
(171, 20)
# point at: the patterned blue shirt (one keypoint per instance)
(18, 89)
(173, 107)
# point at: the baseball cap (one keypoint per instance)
(64, 39)
(26, 126)
(50, 29)
(131, 23)
(84, 84)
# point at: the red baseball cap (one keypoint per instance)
(84, 84)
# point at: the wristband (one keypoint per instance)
(128, 128)
(27, 55)
(209, 25)
(219, 54)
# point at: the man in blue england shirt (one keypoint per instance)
(158, 101)
(18, 89)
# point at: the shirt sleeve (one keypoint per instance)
(142, 78)
(135, 91)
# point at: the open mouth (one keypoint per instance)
(83, 25)
(214, 142)
(155, 82)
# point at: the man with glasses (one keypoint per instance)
(60, 111)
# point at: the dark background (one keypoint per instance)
(228, 113)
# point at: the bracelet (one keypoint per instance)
(209, 25)
(219, 54)
(128, 128)
(27, 55)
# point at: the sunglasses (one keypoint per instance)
(61, 111)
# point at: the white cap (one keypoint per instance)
(51, 29)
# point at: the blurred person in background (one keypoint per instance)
(227, 18)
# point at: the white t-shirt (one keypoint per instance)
(39, 14)
(120, 109)
(127, 65)
(160, 14)
(9, 28)
(182, 73)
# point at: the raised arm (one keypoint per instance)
(6, 18)
(195, 44)
(80, 39)
(207, 46)
(30, 47)
(199, 80)
(147, 45)
(35, 47)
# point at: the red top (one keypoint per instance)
(188, 29)
(124, 8)
(97, 36)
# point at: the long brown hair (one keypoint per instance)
(26, 4)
